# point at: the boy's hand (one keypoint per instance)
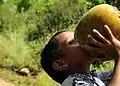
(108, 47)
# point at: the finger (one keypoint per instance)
(108, 31)
(94, 41)
(99, 36)
(97, 52)
(89, 48)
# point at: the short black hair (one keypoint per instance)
(50, 53)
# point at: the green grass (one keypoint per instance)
(108, 65)
(42, 79)
(16, 51)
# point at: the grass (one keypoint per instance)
(16, 51)
(42, 79)
(108, 65)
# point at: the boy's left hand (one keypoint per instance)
(108, 46)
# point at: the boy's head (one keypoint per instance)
(63, 55)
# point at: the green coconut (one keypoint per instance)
(96, 18)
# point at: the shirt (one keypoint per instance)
(95, 79)
(104, 76)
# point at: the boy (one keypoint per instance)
(68, 62)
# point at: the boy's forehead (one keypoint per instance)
(62, 37)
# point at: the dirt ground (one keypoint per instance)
(5, 83)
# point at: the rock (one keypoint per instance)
(24, 71)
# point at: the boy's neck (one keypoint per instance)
(82, 70)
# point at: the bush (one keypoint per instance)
(25, 25)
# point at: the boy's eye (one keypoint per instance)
(72, 42)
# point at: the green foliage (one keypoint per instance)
(102, 66)
(92, 3)
(55, 15)
(114, 3)
(23, 5)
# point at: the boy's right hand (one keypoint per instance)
(110, 47)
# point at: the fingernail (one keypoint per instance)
(94, 30)
(105, 25)
(89, 36)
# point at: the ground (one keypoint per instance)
(10, 78)
(5, 83)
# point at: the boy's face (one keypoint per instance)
(74, 54)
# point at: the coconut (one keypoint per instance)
(96, 18)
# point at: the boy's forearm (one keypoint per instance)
(115, 81)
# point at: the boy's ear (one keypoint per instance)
(60, 65)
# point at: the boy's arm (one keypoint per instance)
(115, 81)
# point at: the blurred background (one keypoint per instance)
(25, 27)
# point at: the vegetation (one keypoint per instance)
(26, 25)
